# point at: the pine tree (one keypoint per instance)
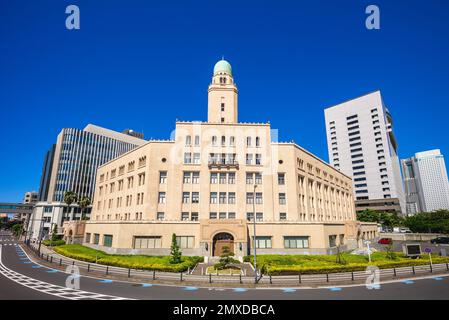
(175, 252)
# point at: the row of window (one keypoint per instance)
(221, 197)
(223, 141)
(121, 169)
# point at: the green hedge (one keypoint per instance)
(158, 263)
(53, 243)
(318, 264)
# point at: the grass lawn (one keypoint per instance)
(158, 263)
(310, 264)
(227, 271)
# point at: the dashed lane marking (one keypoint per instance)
(190, 288)
(105, 281)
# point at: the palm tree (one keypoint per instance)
(84, 203)
(70, 197)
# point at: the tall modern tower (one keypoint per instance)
(426, 182)
(71, 165)
(361, 144)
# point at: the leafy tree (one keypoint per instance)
(432, 222)
(54, 235)
(390, 254)
(339, 258)
(70, 197)
(175, 252)
(387, 219)
(84, 203)
(226, 259)
(17, 229)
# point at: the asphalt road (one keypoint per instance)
(20, 278)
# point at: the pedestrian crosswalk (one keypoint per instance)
(49, 288)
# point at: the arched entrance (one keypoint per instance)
(220, 241)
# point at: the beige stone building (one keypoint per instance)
(211, 180)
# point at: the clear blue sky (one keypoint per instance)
(142, 64)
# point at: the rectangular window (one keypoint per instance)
(282, 199)
(163, 177)
(249, 178)
(194, 216)
(185, 197)
(195, 177)
(184, 216)
(188, 141)
(248, 141)
(249, 159)
(195, 197)
(147, 242)
(231, 197)
(185, 242)
(258, 178)
(87, 237)
(213, 177)
(213, 197)
(281, 178)
(258, 159)
(222, 178)
(222, 197)
(196, 158)
(262, 242)
(249, 216)
(186, 177)
(107, 240)
(249, 198)
(259, 198)
(187, 158)
(231, 178)
(197, 140)
(296, 242)
(282, 216)
(333, 240)
(259, 216)
(160, 216)
(212, 215)
(222, 215)
(231, 215)
(161, 198)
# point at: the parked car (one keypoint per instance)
(440, 240)
(385, 241)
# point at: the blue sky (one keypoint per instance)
(143, 64)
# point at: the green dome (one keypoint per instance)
(223, 66)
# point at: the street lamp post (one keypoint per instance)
(254, 233)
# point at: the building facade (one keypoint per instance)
(361, 144)
(70, 165)
(30, 197)
(211, 181)
(426, 182)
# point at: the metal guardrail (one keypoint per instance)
(299, 279)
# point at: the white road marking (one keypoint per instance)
(51, 289)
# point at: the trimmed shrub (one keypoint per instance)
(53, 243)
(158, 263)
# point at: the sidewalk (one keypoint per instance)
(56, 261)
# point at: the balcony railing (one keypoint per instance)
(223, 163)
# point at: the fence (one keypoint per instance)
(299, 279)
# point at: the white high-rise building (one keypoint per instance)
(426, 182)
(361, 144)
